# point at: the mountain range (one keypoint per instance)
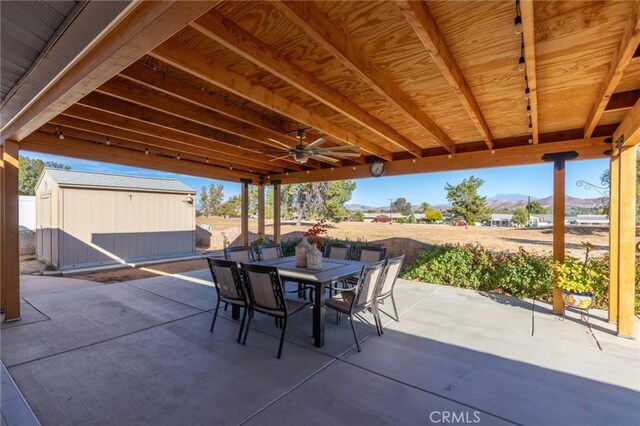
(500, 202)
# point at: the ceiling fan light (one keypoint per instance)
(301, 157)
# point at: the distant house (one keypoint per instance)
(540, 220)
(594, 219)
(382, 218)
(89, 219)
(500, 219)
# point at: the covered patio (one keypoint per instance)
(140, 352)
(215, 89)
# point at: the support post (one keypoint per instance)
(558, 225)
(627, 240)
(614, 232)
(244, 212)
(10, 267)
(277, 213)
(261, 212)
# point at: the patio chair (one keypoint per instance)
(270, 251)
(338, 251)
(226, 279)
(241, 254)
(388, 282)
(367, 254)
(370, 254)
(362, 297)
(266, 295)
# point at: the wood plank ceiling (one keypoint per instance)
(401, 80)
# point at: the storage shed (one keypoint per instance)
(86, 219)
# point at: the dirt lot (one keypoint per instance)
(532, 239)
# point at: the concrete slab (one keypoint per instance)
(177, 373)
(86, 316)
(14, 409)
(603, 332)
(521, 378)
(343, 395)
(464, 306)
(34, 284)
(191, 288)
(28, 315)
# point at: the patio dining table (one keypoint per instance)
(332, 271)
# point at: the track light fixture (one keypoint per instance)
(146, 151)
(207, 160)
(59, 133)
(527, 93)
(178, 156)
(530, 141)
(107, 141)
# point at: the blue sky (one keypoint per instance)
(535, 180)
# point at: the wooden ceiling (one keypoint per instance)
(422, 86)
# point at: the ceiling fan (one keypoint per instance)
(302, 153)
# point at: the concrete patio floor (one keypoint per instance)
(140, 352)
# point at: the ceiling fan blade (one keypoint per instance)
(325, 159)
(342, 154)
(282, 144)
(281, 158)
(340, 148)
(315, 143)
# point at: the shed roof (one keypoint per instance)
(106, 180)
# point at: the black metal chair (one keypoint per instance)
(269, 251)
(240, 254)
(353, 301)
(229, 287)
(367, 254)
(337, 251)
(387, 284)
(266, 295)
(370, 254)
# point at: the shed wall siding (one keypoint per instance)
(111, 226)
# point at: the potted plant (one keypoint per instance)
(577, 281)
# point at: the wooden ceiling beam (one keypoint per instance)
(132, 111)
(319, 27)
(146, 26)
(222, 30)
(137, 94)
(99, 132)
(621, 59)
(86, 150)
(528, 32)
(175, 87)
(181, 89)
(424, 25)
(629, 129)
(502, 157)
(187, 60)
(168, 150)
(153, 130)
(622, 101)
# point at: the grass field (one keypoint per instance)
(531, 239)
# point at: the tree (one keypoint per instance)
(336, 195)
(466, 203)
(318, 198)
(520, 216)
(402, 206)
(358, 217)
(432, 216)
(211, 199)
(535, 207)
(231, 207)
(424, 207)
(30, 169)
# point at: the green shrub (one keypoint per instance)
(520, 274)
